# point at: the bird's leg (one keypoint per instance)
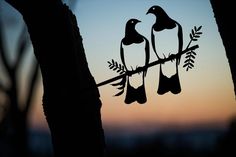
(164, 56)
(172, 57)
(130, 72)
(139, 69)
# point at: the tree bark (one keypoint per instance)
(223, 12)
(71, 100)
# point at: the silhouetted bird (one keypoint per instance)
(134, 52)
(167, 39)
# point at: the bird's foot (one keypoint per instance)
(172, 57)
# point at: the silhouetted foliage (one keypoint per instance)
(190, 56)
(115, 66)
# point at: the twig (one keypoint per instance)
(160, 61)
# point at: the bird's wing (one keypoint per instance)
(180, 39)
(147, 54)
(153, 42)
(147, 51)
(122, 54)
(167, 44)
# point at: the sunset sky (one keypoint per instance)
(207, 95)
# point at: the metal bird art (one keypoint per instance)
(168, 59)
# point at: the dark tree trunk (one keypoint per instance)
(71, 99)
(223, 11)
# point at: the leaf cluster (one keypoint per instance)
(191, 55)
(119, 68)
(121, 85)
(115, 66)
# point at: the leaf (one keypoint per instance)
(196, 36)
(190, 64)
(192, 56)
(195, 28)
(121, 87)
(111, 67)
(118, 94)
(193, 32)
(188, 61)
(191, 37)
(188, 53)
(123, 81)
(193, 52)
(198, 33)
(199, 28)
(122, 72)
(185, 65)
(117, 84)
(192, 61)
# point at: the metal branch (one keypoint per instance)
(160, 61)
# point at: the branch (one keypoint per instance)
(160, 61)
(31, 91)
(3, 51)
(3, 88)
(22, 44)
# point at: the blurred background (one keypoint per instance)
(200, 121)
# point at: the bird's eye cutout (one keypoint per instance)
(153, 8)
(132, 21)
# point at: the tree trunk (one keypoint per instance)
(223, 11)
(71, 99)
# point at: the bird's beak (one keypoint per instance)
(138, 21)
(148, 12)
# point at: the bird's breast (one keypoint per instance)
(134, 55)
(166, 42)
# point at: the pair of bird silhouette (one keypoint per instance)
(166, 40)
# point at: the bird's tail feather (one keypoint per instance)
(175, 84)
(166, 84)
(141, 94)
(133, 94)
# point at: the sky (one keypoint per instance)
(207, 96)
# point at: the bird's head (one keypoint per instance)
(130, 26)
(156, 10)
(132, 22)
